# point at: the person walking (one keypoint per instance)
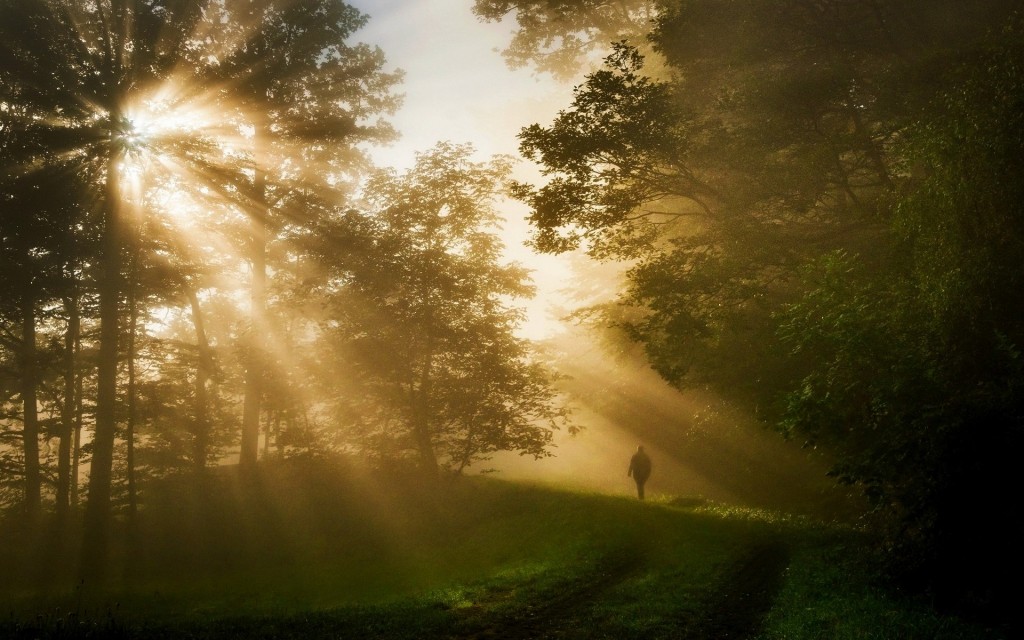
(640, 470)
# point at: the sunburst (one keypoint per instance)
(182, 111)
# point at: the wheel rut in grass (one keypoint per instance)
(732, 609)
(736, 608)
(556, 616)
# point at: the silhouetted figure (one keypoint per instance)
(640, 470)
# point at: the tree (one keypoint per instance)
(917, 367)
(114, 93)
(845, 139)
(29, 256)
(68, 73)
(425, 322)
(635, 174)
(36, 222)
(310, 98)
(557, 36)
(770, 144)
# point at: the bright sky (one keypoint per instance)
(457, 87)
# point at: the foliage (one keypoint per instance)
(558, 36)
(918, 375)
(131, 176)
(831, 593)
(426, 322)
(73, 124)
(870, 145)
(623, 144)
(637, 172)
(768, 142)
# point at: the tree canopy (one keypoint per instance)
(815, 202)
(202, 266)
(426, 322)
(560, 36)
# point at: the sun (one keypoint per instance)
(156, 129)
(158, 118)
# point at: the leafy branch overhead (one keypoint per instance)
(559, 37)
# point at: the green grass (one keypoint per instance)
(830, 593)
(318, 550)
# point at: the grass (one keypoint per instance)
(321, 551)
(830, 593)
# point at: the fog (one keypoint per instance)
(702, 447)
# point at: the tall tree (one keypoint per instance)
(310, 98)
(23, 242)
(634, 173)
(771, 144)
(35, 245)
(70, 70)
(70, 374)
(426, 322)
(109, 91)
(204, 367)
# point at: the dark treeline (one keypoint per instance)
(822, 206)
(200, 264)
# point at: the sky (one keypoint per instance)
(458, 88)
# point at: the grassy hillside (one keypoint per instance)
(315, 550)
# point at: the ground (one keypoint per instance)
(734, 608)
(316, 551)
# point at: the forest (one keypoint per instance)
(213, 298)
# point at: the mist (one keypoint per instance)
(332, 320)
(702, 446)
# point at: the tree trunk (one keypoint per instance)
(133, 328)
(421, 419)
(76, 444)
(201, 425)
(97, 512)
(277, 436)
(30, 434)
(872, 150)
(275, 429)
(67, 414)
(428, 459)
(257, 310)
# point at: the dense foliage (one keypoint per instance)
(820, 207)
(919, 374)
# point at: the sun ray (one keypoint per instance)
(203, 155)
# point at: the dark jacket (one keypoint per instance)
(640, 466)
